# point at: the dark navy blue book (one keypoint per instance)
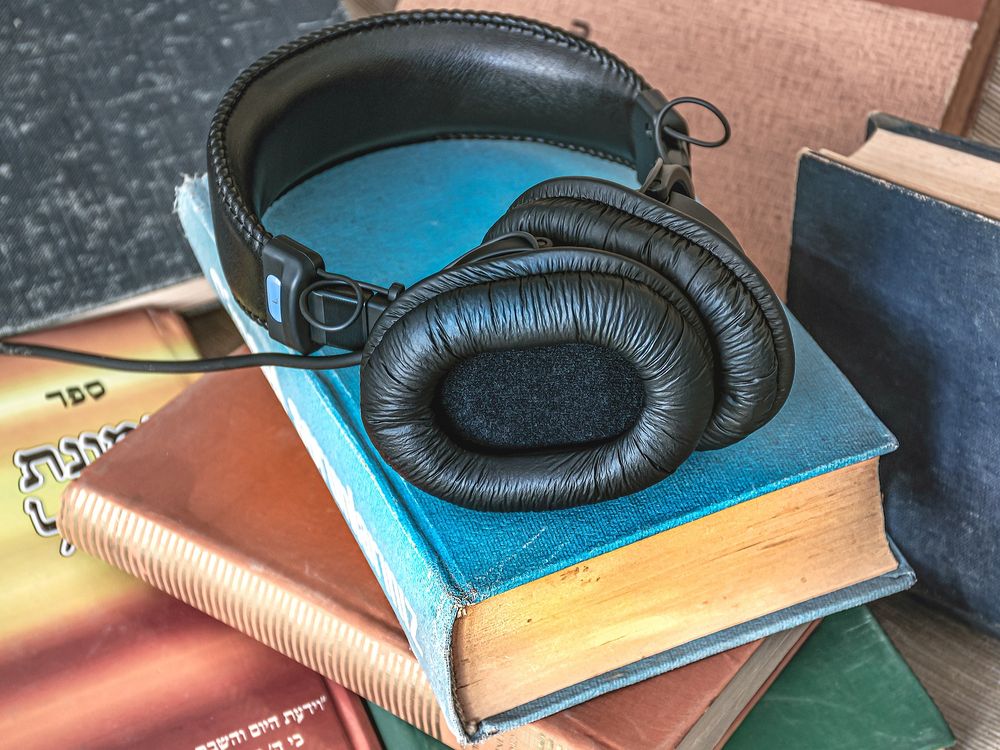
(895, 271)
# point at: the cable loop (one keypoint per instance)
(331, 281)
(659, 127)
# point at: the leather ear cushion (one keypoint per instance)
(746, 322)
(532, 300)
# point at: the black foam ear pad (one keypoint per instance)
(538, 380)
(754, 357)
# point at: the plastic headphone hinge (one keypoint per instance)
(343, 313)
(664, 180)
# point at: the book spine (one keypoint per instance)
(288, 621)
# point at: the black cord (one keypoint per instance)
(240, 361)
(660, 127)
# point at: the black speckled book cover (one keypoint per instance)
(105, 106)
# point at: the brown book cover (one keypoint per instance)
(91, 657)
(230, 514)
(789, 74)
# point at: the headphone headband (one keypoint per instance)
(392, 80)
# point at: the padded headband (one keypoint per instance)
(403, 78)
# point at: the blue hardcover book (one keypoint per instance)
(453, 574)
(904, 296)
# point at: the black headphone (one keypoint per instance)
(599, 334)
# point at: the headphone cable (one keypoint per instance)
(213, 364)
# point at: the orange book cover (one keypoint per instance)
(238, 522)
(91, 657)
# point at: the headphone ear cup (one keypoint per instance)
(536, 381)
(754, 358)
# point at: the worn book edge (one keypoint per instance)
(291, 621)
(269, 608)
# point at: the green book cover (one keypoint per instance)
(396, 734)
(846, 688)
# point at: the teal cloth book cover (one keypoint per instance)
(403, 213)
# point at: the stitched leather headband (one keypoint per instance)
(403, 78)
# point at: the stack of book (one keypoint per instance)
(91, 657)
(209, 522)
(657, 619)
(723, 606)
(515, 616)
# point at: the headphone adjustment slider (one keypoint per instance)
(342, 311)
